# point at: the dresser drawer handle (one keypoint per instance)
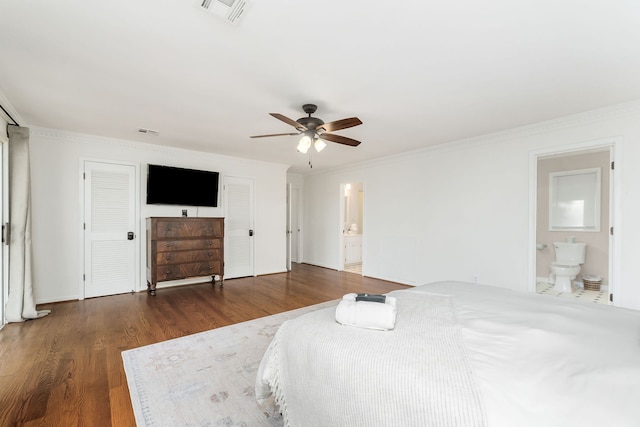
(210, 254)
(168, 258)
(168, 245)
(168, 272)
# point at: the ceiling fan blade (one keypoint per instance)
(288, 121)
(341, 124)
(274, 134)
(339, 139)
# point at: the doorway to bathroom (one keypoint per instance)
(294, 221)
(575, 199)
(351, 226)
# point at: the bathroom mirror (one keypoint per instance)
(347, 202)
(574, 200)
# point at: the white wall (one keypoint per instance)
(295, 179)
(57, 213)
(461, 210)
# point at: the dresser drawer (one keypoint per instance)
(181, 247)
(179, 257)
(189, 229)
(184, 245)
(182, 271)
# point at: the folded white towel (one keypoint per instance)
(366, 314)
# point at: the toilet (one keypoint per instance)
(569, 257)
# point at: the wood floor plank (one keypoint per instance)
(66, 369)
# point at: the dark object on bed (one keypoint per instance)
(371, 298)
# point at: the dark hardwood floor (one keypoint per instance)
(66, 369)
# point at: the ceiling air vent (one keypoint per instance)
(148, 131)
(231, 10)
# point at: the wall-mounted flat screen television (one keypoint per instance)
(167, 185)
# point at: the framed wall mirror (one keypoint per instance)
(574, 200)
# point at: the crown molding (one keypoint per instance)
(574, 120)
(82, 138)
(10, 114)
(613, 112)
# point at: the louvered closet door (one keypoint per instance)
(238, 223)
(110, 214)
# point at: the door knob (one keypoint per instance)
(250, 232)
(130, 235)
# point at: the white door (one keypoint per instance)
(238, 227)
(295, 224)
(288, 227)
(110, 233)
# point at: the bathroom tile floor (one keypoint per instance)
(600, 297)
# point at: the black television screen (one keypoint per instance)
(168, 185)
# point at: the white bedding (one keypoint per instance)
(484, 356)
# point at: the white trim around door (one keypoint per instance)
(239, 226)
(613, 144)
(110, 228)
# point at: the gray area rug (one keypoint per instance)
(205, 379)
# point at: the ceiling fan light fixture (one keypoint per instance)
(304, 144)
(319, 145)
(313, 130)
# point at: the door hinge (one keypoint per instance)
(611, 231)
(84, 277)
(613, 165)
(611, 297)
(84, 225)
(84, 175)
(6, 233)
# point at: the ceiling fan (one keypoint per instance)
(314, 130)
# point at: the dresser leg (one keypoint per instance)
(151, 288)
(213, 280)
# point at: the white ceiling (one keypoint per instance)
(417, 73)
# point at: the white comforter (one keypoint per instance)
(483, 356)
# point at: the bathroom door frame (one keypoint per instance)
(344, 211)
(613, 145)
(342, 208)
(294, 229)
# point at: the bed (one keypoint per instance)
(460, 354)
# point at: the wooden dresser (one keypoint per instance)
(181, 247)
